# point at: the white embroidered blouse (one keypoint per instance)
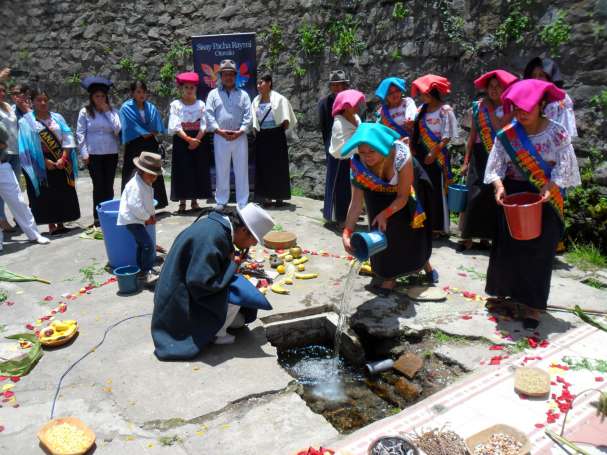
(442, 122)
(187, 117)
(562, 112)
(554, 146)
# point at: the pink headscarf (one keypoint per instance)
(187, 78)
(426, 83)
(347, 98)
(504, 78)
(528, 93)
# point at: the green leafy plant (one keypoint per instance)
(395, 55)
(297, 70)
(586, 257)
(273, 40)
(167, 441)
(400, 11)
(173, 60)
(345, 40)
(297, 191)
(90, 272)
(556, 33)
(441, 337)
(3, 296)
(600, 101)
(134, 70)
(311, 39)
(73, 80)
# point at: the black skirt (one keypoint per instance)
(522, 269)
(438, 201)
(190, 169)
(338, 189)
(133, 149)
(480, 218)
(272, 179)
(57, 201)
(408, 249)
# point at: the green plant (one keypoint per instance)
(24, 55)
(594, 283)
(586, 257)
(297, 70)
(556, 33)
(512, 28)
(600, 101)
(167, 441)
(473, 272)
(74, 79)
(3, 296)
(345, 40)
(134, 70)
(395, 55)
(90, 272)
(441, 337)
(297, 191)
(273, 40)
(400, 11)
(311, 39)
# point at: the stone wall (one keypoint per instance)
(57, 42)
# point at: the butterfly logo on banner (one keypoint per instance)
(211, 75)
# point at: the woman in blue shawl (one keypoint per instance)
(141, 123)
(47, 151)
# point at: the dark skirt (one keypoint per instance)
(338, 190)
(190, 169)
(408, 249)
(57, 201)
(522, 269)
(272, 178)
(438, 200)
(133, 149)
(480, 218)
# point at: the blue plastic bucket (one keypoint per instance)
(127, 279)
(366, 244)
(120, 246)
(457, 198)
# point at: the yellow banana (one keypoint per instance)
(306, 276)
(287, 281)
(300, 261)
(278, 289)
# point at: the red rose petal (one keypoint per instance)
(48, 298)
(495, 360)
(10, 303)
(29, 326)
(599, 379)
(492, 319)
(63, 309)
(539, 425)
(8, 394)
(15, 378)
(1, 428)
(466, 317)
(3, 378)
(461, 274)
(544, 344)
(496, 347)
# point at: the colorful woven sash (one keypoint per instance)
(526, 158)
(484, 127)
(429, 140)
(51, 144)
(387, 120)
(364, 179)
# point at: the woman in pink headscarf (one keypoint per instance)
(487, 118)
(345, 122)
(531, 154)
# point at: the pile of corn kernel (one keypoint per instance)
(67, 438)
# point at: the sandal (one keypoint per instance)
(195, 206)
(181, 210)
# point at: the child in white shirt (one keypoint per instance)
(137, 208)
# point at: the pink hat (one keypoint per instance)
(426, 83)
(504, 78)
(187, 78)
(347, 98)
(528, 93)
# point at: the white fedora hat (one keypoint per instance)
(257, 220)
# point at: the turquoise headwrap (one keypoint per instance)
(377, 136)
(384, 86)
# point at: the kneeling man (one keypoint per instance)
(199, 295)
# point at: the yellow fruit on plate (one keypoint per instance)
(302, 260)
(306, 276)
(278, 289)
(301, 267)
(281, 269)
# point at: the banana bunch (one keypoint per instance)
(58, 330)
(306, 276)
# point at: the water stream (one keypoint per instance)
(344, 306)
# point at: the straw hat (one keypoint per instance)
(149, 162)
(257, 220)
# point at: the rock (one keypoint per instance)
(426, 294)
(154, 33)
(407, 390)
(409, 364)
(599, 176)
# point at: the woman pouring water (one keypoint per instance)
(395, 190)
(532, 154)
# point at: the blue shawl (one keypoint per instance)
(30, 147)
(132, 124)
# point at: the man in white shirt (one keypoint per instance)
(229, 117)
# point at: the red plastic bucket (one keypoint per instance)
(524, 215)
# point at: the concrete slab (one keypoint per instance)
(468, 356)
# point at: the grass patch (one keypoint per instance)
(3, 296)
(473, 272)
(167, 441)
(519, 346)
(586, 257)
(445, 338)
(297, 191)
(594, 283)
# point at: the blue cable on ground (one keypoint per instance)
(85, 355)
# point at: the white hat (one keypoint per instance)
(257, 220)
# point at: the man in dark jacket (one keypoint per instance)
(338, 82)
(199, 295)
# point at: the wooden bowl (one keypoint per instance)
(43, 435)
(63, 339)
(484, 436)
(280, 240)
(532, 382)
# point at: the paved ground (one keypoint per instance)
(234, 399)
